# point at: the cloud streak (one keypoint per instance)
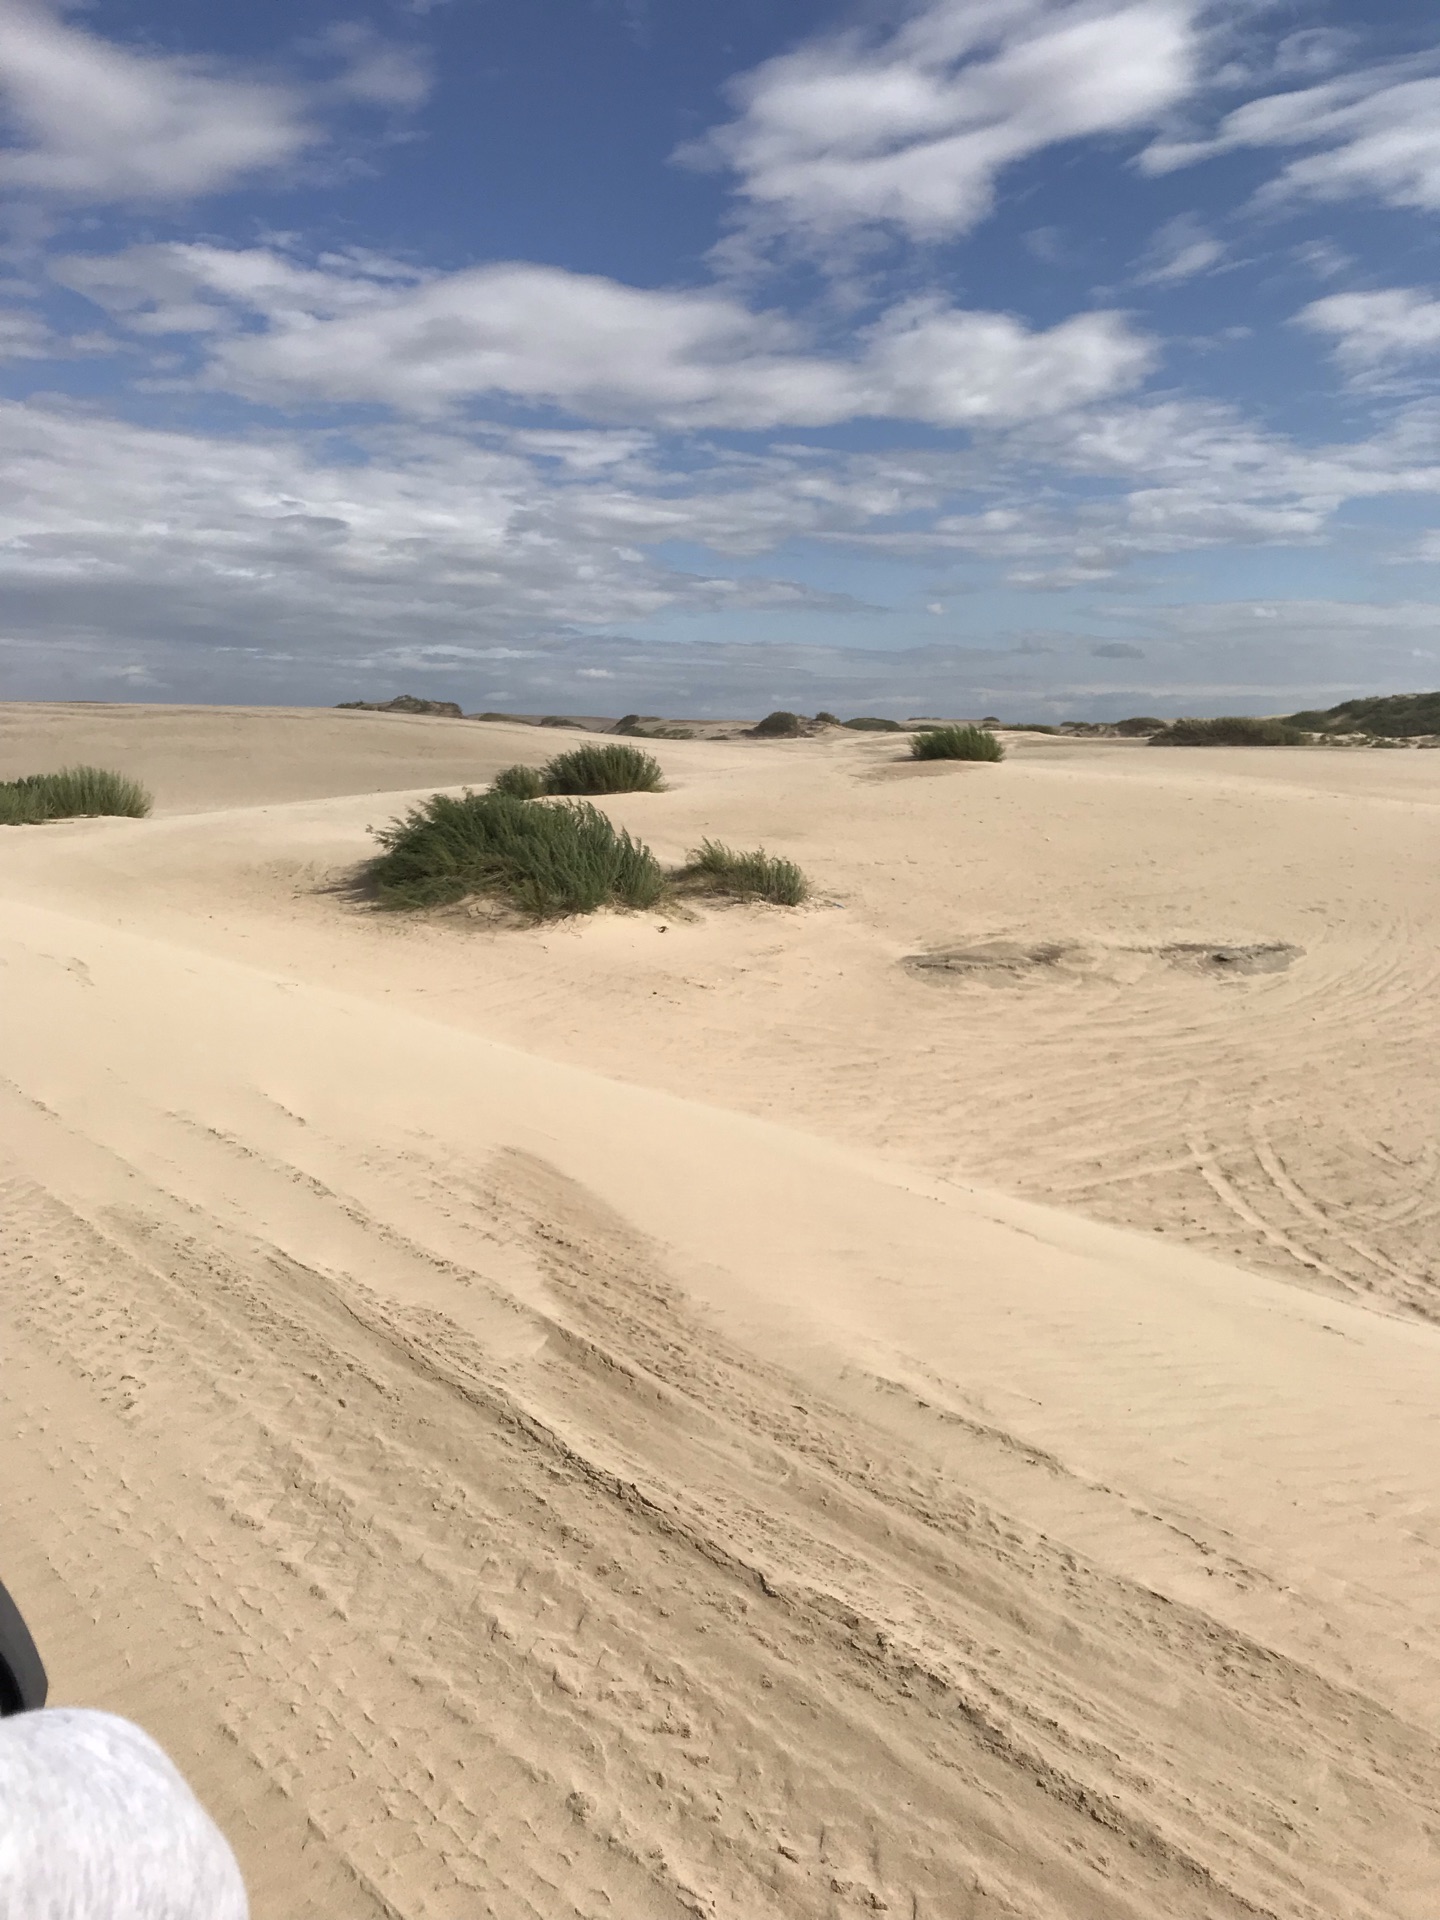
(349, 332)
(1376, 133)
(911, 129)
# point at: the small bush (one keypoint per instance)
(956, 743)
(869, 723)
(779, 725)
(1230, 730)
(610, 769)
(521, 783)
(823, 719)
(1140, 723)
(747, 876)
(547, 861)
(72, 793)
(491, 716)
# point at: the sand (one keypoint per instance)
(698, 1414)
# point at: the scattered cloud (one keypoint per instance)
(360, 331)
(88, 121)
(910, 128)
(1377, 132)
(1181, 250)
(1383, 328)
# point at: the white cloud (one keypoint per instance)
(1381, 328)
(351, 332)
(1179, 251)
(86, 120)
(911, 128)
(23, 336)
(1377, 131)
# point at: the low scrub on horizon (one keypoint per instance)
(956, 743)
(1394, 716)
(1230, 730)
(780, 725)
(755, 875)
(872, 723)
(72, 793)
(544, 861)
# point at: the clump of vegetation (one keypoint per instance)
(521, 783)
(491, 715)
(1139, 724)
(823, 719)
(559, 720)
(72, 793)
(870, 723)
(779, 725)
(545, 861)
(1230, 730)
(956, 743)
(607, 769)
(1396, 716)
(756, 875)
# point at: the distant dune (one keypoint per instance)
(924, 1402)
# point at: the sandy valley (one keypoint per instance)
(927, 1403)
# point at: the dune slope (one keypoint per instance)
(512, 1489)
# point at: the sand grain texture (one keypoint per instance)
(597, 1420)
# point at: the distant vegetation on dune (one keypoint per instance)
(1230, 730)
(1393, 716)
(871, 723)
(548, 861)
(545, 861)
(956, 743)
(746, 876)
(608, 769)
(780, 725)
(72, 793)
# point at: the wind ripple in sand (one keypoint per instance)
(598, 1612)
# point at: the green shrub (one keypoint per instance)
(823, 719)
(868, 723)
(747, 876)
(609, 769)
(73, 792)
(1396, 716)
(521, 783)
(956, 743)
(1230, 730)
(779, 725)
(1140, 723)
(547, 861)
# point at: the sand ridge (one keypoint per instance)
(554, 1483)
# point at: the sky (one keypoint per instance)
(1044, 358)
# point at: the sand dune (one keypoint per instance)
(693, 1415)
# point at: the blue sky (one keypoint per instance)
(1025, 356)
